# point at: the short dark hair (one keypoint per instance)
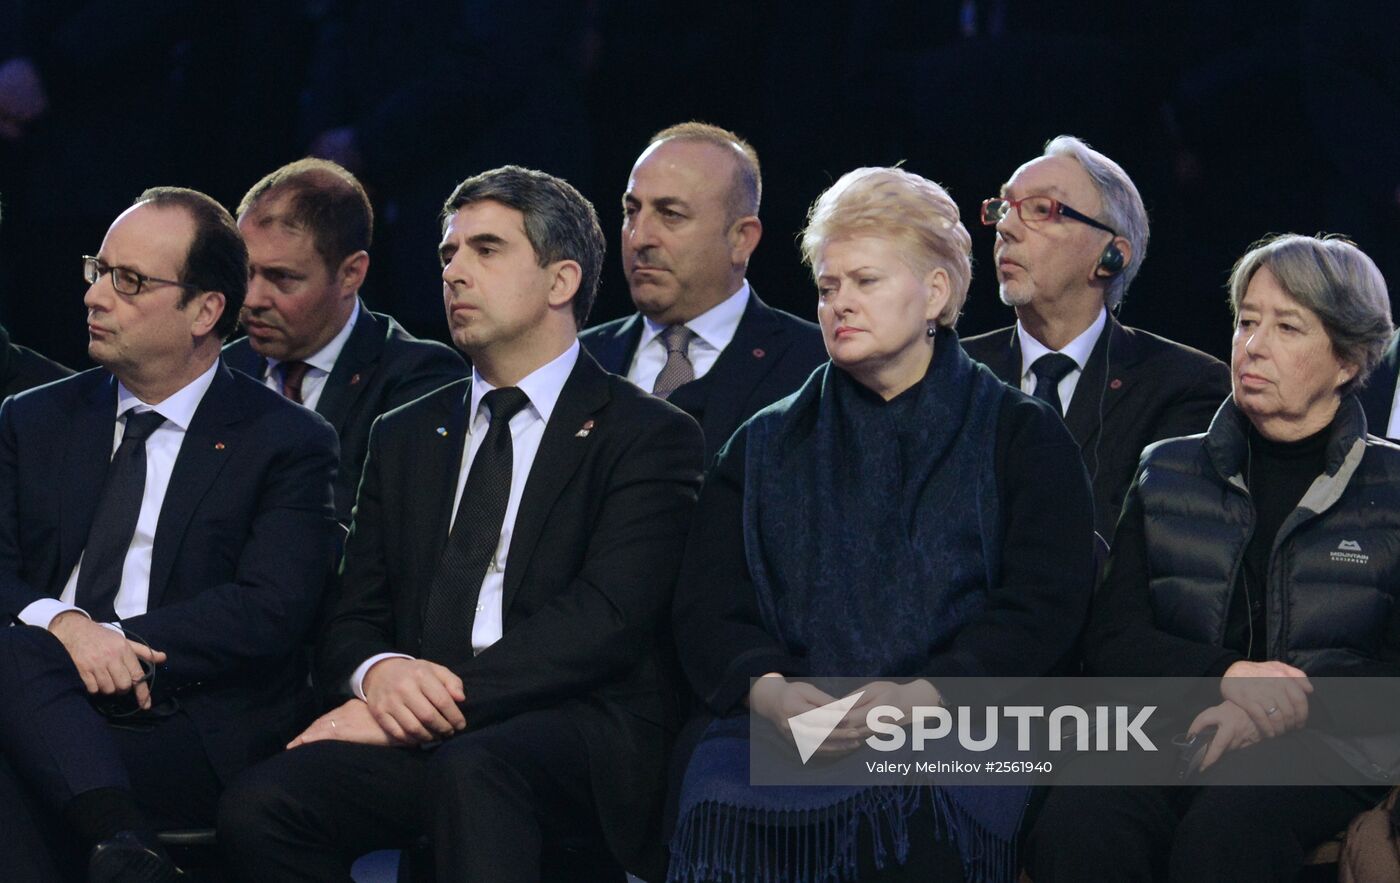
(217, 259)
(559, 222)
(324, 199)
(746, 187)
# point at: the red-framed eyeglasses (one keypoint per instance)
(1035, 210)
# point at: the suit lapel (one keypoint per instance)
(757, 346)
(1004, 358)
(561, 451)
(614, 352)
(439, 464)
(1107, 379)
(347, 378)
(240, 356)
(210, 440)
(85, 462)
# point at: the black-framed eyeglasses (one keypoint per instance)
(124, 280)
(1035, 210)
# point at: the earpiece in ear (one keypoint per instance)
(1111, 261)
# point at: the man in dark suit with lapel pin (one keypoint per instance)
(166, 530)
(1071, 235)
(701, 339)
(505, 582)
(1379, 394)
(310, 337)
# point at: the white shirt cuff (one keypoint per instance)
(43, 612)
(357, 680)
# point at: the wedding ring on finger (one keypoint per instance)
(333, 720)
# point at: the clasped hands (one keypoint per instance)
(778, 699)
(1261, 700)
(407, 702)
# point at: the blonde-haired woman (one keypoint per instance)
(904, 517)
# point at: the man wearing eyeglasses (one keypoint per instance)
(1071, 234)
(166, 529)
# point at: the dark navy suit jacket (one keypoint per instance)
(771, 354)
(1136, 388)
(245, 541)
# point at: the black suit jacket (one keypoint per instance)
(244, 543)
(771, 354)
(381, 367)
(26, 369)
(589, 575)
(1379, 392)
(1136, 388)
(21, 368)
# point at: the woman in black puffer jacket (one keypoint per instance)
(1262, 553)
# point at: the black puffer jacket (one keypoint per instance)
(1334, 574)
(1333, 586)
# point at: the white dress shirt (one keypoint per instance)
(319, 365)
(162, 449)
(542, 386)
(1078, 349)
(714, 329)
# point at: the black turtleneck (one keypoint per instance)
(1277, 475)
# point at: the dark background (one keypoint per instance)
(1235, 120)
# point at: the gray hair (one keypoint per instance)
(1329, 275)
(1122, 207)
(559, 222)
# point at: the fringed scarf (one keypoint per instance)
(872, 530)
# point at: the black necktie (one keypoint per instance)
(1049, 370)
(100, 575)
(451, 602)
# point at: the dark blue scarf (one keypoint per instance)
(872, 530)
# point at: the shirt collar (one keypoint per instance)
(716, 326)
(178, 408)
(542, 386)
(1078, 349)
(324, 358)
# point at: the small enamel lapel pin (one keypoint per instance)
(584, 430)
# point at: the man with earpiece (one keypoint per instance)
(1071, 235)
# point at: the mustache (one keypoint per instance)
(646, 260)
(262, 316)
